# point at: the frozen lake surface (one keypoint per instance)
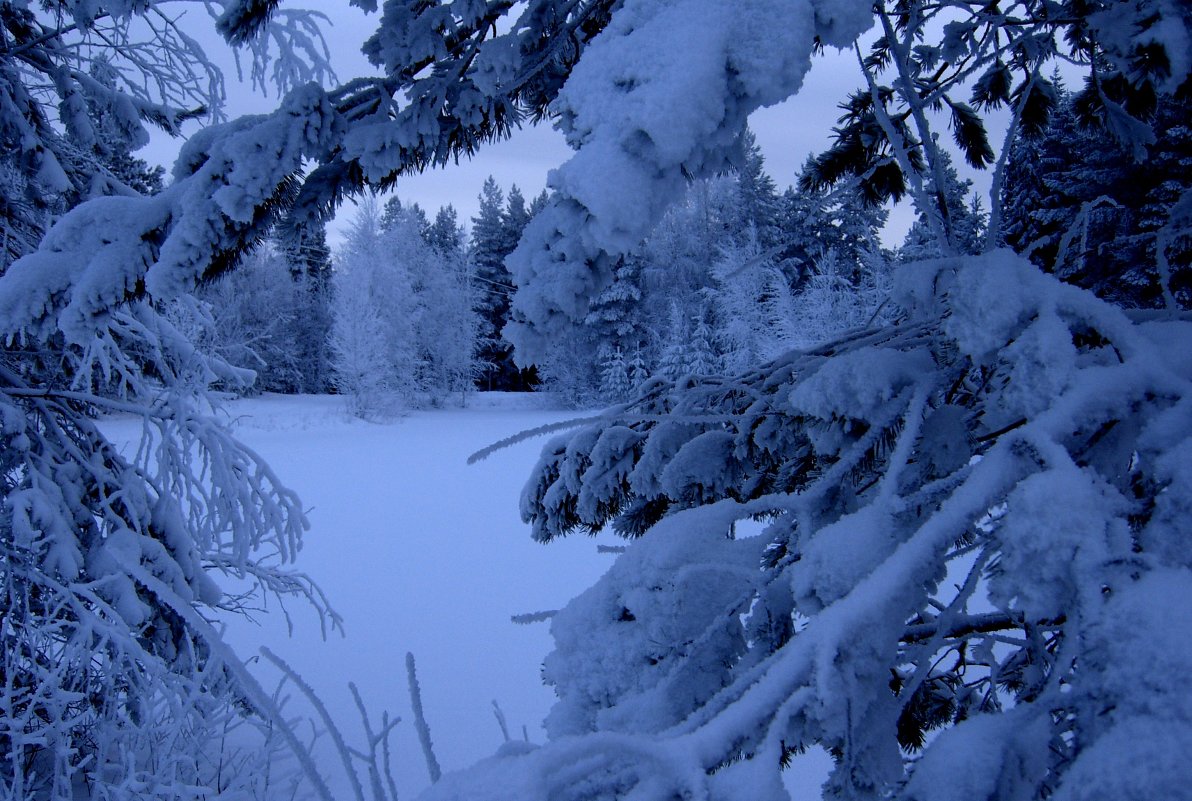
(419, 552)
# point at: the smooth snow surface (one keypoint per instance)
(419, 552)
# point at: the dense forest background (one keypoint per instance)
(736, 273)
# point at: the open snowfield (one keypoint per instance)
(418, 552)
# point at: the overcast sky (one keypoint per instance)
(787, 133)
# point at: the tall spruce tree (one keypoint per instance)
(515, 217)
(488, 248)
(309, 259)
(818, 219)
(1092, 210)
(446, 235)
(495, 232)
(962, 212)
(395, 213)
(757, 196)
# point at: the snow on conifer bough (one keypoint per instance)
(959, 511)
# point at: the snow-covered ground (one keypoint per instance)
(419, 552)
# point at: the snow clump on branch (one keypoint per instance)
(662, 94)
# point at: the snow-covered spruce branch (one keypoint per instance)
(854, 584)
(973, 624)
(531, 433)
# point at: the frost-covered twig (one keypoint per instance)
(329, 724)
(530, 433)
(420, 725)
(500, 715)
(261, 701)
(376, 740)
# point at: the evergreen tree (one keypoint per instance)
(678, 256)
(757, 196)
(615, 383)
(495, 233)
(395, 213)
(1076, 201)
(831, 301)
(515, 218)
(309, 259)
(638, 372)
(805, 223)
(702, 359)
(446, 235)
(673, 361)
(577, 362)
(614, 313)
(816, 219)
(963, 216)
(488, 248)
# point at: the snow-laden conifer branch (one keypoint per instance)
(234, 183)
(732, 61)
(977, 616)
(522, 436)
